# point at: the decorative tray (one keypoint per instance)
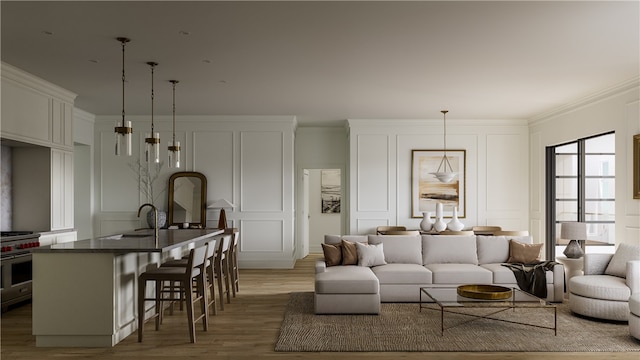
(484, 292)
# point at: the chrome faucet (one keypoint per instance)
(155, 210)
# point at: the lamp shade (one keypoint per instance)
(221, 204)
(573, 231)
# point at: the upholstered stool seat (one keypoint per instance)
(634, 315)
(347, 290)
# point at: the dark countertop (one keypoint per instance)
(133, 241)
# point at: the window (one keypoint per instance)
(581, 187)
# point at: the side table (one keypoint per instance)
(572, 267)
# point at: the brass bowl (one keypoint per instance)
(484, 292)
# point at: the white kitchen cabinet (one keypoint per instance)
(61, 189)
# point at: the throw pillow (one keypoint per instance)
(521, 253)
(370, 255)
(618, 264)
(332, 254)
(349, 253)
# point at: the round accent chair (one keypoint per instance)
(634, 315)
(608, 282)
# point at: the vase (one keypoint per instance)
(439, 225)
(439, 211)
(455, 224)
(162, 219)
(426, 224)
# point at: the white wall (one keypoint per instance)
(616, 109)
(497, 173)
(247, 160)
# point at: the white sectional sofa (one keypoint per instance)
(418, 261)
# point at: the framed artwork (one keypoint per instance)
(330, 190)
(426, 190)
(636, 166)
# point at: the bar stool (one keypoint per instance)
(220, 269)
(233, 265)
(185, 276)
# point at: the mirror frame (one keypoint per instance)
(203, 196)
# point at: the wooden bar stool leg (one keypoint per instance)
(158, 304)
(220, 292)
(141, 296)
(189, 296)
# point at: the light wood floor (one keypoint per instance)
(246, 329)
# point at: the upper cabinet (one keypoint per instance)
(35, 111)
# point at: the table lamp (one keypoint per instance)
(222, 204)
(574, 231)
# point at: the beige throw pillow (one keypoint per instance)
(370, 255)
(332, 254)
(349, 253)
(618, 264)
(522, 253)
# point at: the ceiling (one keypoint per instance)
(328, 61)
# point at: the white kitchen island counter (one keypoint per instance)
(84, 292)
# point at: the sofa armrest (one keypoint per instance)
(558, 283)
(596, 264)
(321, 266)
(633, 276)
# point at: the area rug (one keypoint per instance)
(402, 327)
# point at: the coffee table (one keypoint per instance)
(447, 300)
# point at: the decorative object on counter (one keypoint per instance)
(222, 204)
(147, 175)
(187, 199)
(427, 223)
(442, 174)
(174, 146)
(124, 130)
(439, 225)
(576, 232)
(152, 139)
(185, 225)
(162, 219)
(455, 224)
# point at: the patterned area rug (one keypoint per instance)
(401, 327)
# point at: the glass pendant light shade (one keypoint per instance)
(152, 139)
(174, 146)
(123, 130)
(445, 173)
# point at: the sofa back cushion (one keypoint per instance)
(400, 249)
(449, 249)
(495, 249)
(618, 264)
(337, 239)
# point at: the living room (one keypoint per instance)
(253, 150)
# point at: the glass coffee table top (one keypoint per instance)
(447, 300)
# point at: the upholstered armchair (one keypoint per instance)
(607, 284)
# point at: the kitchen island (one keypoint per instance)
(84, 292)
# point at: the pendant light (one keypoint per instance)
(152, 140)
(445, 173)
(124, 130)
(174, 146)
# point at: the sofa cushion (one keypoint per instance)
(604, 287)
(332, 254)
(400, 248)
(449, 249)
(370, 254)
(347, 280)
(349, 253)
(618, 264)
(495, 249)
(337, 239)
(521, 253)
(634, 304)
(459, 274)
(504, 275)
(402, 274)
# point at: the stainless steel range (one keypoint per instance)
(16, 266)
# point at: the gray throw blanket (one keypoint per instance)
(531, 278)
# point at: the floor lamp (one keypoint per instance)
(222, 204)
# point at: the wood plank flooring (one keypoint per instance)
(246, 329)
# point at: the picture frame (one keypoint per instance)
(427, 190)
(330, 191)
(636, 166)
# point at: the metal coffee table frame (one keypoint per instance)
(447, 299)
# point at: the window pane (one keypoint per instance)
(567, 189)
(601, 233)
(599, 211)
(600, 165)
(566, 165)
(599, 188)
(601, 144)
(566, 211)
(571, 148)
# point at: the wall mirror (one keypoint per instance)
(187, 199)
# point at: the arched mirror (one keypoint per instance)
(188, 199)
